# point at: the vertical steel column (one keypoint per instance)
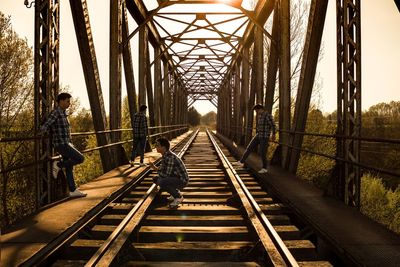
(284, 78)
(309, 65)
(349, 98)
(229, 106)
(115, 81)
(174, 101)
(237, 118)
(128, 65)
(157, 87)
(273, 60)
(46, 75)
(87, 52)
(252, 96)
(149, 86)
(185, 108)
(258, 65)
(143, 47)
(167, 96)
(244, 104)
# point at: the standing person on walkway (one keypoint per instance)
(140, 132)
(58, 125)
(265, 125)
(172, 173)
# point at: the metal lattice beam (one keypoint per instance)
(349, 98)
(46, 75)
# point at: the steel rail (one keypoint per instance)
(105, 255)
(66, 237)
(273, 244)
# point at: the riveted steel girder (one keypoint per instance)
(349, 99)
(87, 52)
(46, 75)
(309, 65)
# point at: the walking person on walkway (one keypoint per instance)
(58, 125)
(172, 173)
(264, 126)
(140, 132)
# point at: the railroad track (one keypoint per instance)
(226, 219)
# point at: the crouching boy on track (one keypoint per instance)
(172, 173)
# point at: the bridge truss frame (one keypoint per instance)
(237, 93)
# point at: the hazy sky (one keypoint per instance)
(380, 50)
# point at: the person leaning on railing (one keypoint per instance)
(58, 125)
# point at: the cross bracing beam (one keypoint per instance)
(218, 50)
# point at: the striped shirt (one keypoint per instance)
(172, 166)
(139, 125)
(265, 124)
(58, 125)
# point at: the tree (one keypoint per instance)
(209, 119)
(16, 117)
(193, 116)
(299, 13)
(16, 79)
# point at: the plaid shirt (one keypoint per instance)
(58, 124)
(139, 125)
(265, 123)
(172, 166)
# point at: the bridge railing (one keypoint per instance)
(177, 129)
(332, 157)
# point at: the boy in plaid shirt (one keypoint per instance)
(58, 125)
(172, 173)
(265, 125)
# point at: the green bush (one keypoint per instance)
(379, 203)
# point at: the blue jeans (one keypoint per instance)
(70, 157)
(139, 144)
(263, 142)
(170, 185)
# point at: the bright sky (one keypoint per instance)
(380, 50)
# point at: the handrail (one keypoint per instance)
(367, 139)
(384, 171)
(380, 170)
(33, 163)
(29, 138)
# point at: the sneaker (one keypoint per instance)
(142, 164)
(55, 169)
(170, 198)
(175, 203)
(77, 193)
(263, 170)
(241, 164)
